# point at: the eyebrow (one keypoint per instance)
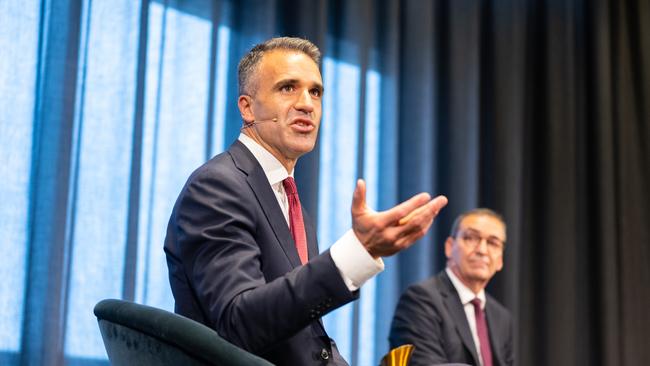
(284, 82)
(480, 232)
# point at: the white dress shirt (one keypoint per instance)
(353, 261)
(466, 297)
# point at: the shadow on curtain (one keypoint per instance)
(538, 109)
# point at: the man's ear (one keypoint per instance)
(448, 246)
(246, 108)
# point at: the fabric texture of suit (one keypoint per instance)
(430, 316)
(233, 265)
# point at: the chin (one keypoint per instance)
(480, 275)
(303, 148)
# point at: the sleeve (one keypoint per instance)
(509, 354)
(353, 261)
(217, 227)
(417, 321)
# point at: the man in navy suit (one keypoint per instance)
(241, 258)
(444, 316)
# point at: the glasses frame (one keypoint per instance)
(493, 243)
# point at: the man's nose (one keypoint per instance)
(304, 102)
(482, 246)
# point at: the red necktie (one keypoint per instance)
(482, 330)
(296, 224)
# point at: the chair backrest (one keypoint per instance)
(137, 334)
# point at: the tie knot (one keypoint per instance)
(290, 186)
(477, 303)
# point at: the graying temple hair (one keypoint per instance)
(476, 211)
(251, 60)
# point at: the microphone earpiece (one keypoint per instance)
(253, 123)
(263, 121)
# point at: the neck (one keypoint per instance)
(475, 285)
(288, 164)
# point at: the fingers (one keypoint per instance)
(395, 237)
(416, 224)
(359, 197)
(388, 232)
(404, 220)
(434, 206)
(393, 215)
(438, 204)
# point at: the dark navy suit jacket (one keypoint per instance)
(430, 316)
(233, 265)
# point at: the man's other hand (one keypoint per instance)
(386, 233)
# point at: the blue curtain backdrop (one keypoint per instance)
(538, 109)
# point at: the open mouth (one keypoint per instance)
(302, 125)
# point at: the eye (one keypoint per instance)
(495, 243)
(471, 238)
(288, 88)
(316, 92)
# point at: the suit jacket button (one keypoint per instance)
(324, 354)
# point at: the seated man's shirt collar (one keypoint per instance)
(466, 295)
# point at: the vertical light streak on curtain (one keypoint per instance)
(105, 109)
(367, 314)
(176, 122)
(338, 149)
(221, 92)
(155, 48)
(52, 184)
(129, 278)
(18, 65)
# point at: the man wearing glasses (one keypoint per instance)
(449, 318)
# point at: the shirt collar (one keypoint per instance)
(466, 295)
(274, 170)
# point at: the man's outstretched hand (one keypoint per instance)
(386, 233)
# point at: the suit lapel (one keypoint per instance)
(258, 182)
(495, 341)
(457, 312)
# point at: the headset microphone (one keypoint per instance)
(251, 124)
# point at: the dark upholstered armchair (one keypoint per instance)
(136, 334)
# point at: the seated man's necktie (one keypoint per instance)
(482, 330)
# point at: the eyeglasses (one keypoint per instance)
(472, 239)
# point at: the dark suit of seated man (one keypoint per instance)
(242, 255)
(450, 318)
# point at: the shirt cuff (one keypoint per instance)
(353, 261)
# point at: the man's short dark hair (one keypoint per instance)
(251, 60)
(477, 212)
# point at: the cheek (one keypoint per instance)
(460, 255)
(498, 263)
